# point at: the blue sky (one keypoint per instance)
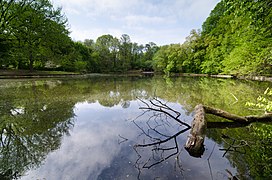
(159, 21)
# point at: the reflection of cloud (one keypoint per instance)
(91, 146)
(92, 150)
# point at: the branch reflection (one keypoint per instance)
(160, 125)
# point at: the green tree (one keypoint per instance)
(8, 12)
(125, 54)
(39, 26)
(237, 37)
(192, 52)
(150, 49)
(160, 59)
(107, 47)
(36, 32)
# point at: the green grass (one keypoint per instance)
(33, 73)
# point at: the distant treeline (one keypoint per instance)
(235, 39)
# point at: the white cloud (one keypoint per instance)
(97, 6)
(145, 20)
(93, 33)
(166, 36)
(142, 20)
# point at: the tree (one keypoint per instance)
(168, 59)
(125, 52)
(39, 26)
(110, 54)
(8, 12)
(136, 56)
(150, 49)
(89, 43)
(212, 21)
(36, 31)
(236, 36)
(192, 52)
(160, 59)
(107, 47)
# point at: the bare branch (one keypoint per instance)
(163, 141)
(163, 159)
(162, 108)
(123, 139)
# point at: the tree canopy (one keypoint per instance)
(34, 31)
(235, 39)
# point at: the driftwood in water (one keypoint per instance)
(195, 142)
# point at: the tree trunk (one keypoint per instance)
(31, 61)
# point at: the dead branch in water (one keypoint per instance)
(165, 116)
(158, 106)
(160, 122)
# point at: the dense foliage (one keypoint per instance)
(34, 35)
(110, 54)
(235, 39)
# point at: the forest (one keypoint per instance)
(234, 39)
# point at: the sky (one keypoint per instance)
(159, 21)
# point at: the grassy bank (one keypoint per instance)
(27, 73)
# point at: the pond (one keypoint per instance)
(98, 127)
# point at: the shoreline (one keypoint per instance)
(225, 76)
(23, 74)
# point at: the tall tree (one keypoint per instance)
(107, 47)
(150, 49)
(8, 12)
(125, 52)
(36, 30)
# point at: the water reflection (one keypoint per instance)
(72, 129)
(30, 128)
(91, 146)
(92, 150)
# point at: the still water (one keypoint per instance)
(93, 128)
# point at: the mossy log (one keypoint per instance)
(195, 141)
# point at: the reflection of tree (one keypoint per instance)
(161, 143)
(238, 146)
(248, 149)
(33, 103)
(31, 126)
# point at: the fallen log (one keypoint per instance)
(241, 119)
(195, 141)
(224, 114)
